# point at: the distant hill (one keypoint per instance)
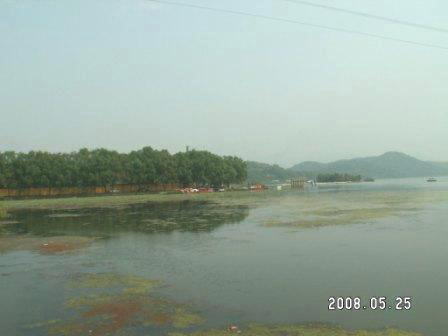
(443, 165)
(388, 165)
(258, 172)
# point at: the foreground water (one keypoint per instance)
(273, 259)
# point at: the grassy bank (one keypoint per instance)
(237, 197)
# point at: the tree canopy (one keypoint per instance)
(336, 177)
(101, 167)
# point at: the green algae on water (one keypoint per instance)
(298, 330)
(3, 213)
(44, 245)
(115, 302)
(348, 208)
(184, 319)
(131, 284)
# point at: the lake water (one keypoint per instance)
(268, 259)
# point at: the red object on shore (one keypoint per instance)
(196, 190)
(258, 187)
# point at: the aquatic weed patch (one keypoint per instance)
(114, 303)
(65, 215)
(3, 216)
(348, 208)
(56, 247)
(70, 203)
(118, 313)
(298, 330)
(184, 319)
(326, 217)
(44, 245)
(3, 213)
(128, 284)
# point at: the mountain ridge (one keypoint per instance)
(391, 164)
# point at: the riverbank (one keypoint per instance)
(69, 203)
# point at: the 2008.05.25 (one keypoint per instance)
(372, 303)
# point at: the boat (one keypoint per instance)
(431, 179)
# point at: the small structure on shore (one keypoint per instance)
(191, 190)
(257, 187)
(298, 183)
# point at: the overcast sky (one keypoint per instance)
(124, 74)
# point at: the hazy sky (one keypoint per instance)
(124, 74)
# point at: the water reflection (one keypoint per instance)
(149, 218)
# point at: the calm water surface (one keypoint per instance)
(228, 267)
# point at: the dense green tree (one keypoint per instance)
(336, 177)
(102, 167)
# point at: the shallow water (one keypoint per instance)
(271, 261)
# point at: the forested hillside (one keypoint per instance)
(258, 172)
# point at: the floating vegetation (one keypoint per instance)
(119, 302)
(69, 203)
(44, 245)
(346, 208)
(65, 215)
(132, 285)
(184, 319)
(298, 330)
(117, 314)
(206, 212)
(3, 212)
(42, 324)
(88, 300)
(334, 217)
(5, 222)
(60, 247)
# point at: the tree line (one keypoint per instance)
(336, 177)
(266, 173)
(102, 167)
